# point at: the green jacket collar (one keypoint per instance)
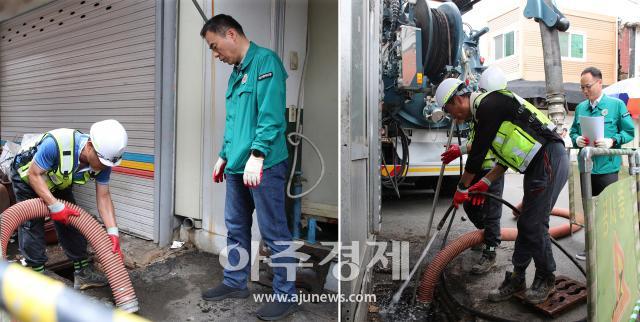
(248, 57)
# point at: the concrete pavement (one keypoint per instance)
(407, 218)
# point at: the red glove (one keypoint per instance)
(112, 232)
(461, 196)
(480, 186)
(452, 153)
(218, 170)
(60, 213)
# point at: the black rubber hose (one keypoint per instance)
(553, 240)
(437, 60)
(481, 314)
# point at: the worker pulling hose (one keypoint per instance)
(442, 259)
(113, 266)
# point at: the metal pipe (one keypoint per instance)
(165, 119)
(439, 184)
(311, 231)
(195, 4)
(586, 155)
(188, 223)
(553, 73)
(433, 206)
(588, 207)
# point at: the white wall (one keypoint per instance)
(295, 35)
(321, 102)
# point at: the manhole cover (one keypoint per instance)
(569, 293)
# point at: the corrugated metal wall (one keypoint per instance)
(72, 63)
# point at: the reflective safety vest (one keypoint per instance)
(489, 160)
(61, 177)
(518, 141)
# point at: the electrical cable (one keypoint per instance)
(298, 133)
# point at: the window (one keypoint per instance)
(571, 45)
(505, 45)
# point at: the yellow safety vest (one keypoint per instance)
(61, 177)
(517, 142)
(489, 160)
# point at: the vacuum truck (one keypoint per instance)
(422, 43)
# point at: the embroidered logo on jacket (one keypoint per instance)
(266, 75)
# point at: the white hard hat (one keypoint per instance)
(109, 139)
(446, 89)
(492, 79)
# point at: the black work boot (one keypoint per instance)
(273, 311)
(541, 288)
(514, 282)
(223, 291)
(88, 277)
(486, 263)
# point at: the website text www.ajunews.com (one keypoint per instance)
(315, 298)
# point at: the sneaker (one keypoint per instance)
(223, 291)
(513, 283)
(276, 310)
(540, 289)
(88, 277)
(486, 263)
(582, 255)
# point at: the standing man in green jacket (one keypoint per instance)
(253, 160)
(618, 130)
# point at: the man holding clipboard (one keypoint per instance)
(617, 125)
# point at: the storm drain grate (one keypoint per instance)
(569, 293)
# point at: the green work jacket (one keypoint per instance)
(255, 105)
(618, 125)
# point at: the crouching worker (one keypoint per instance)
(48, 169)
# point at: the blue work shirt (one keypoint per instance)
(255, 106)
(618, 125)
(47, 156)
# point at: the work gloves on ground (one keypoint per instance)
(453, 152)
(462, 195)
(582, 141)
(114, 236)
(253, 172)
(218, 170)
(480, 186)
(60, 212)
(606, 143)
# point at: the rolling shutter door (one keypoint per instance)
(72, 63)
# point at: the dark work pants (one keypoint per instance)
(543, 181)
(487, 216)
(31, 233)
(601, 181)
(268, 201)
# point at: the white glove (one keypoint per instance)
(218, 170)
(253, 172)
(606, 143)
(582, 141)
